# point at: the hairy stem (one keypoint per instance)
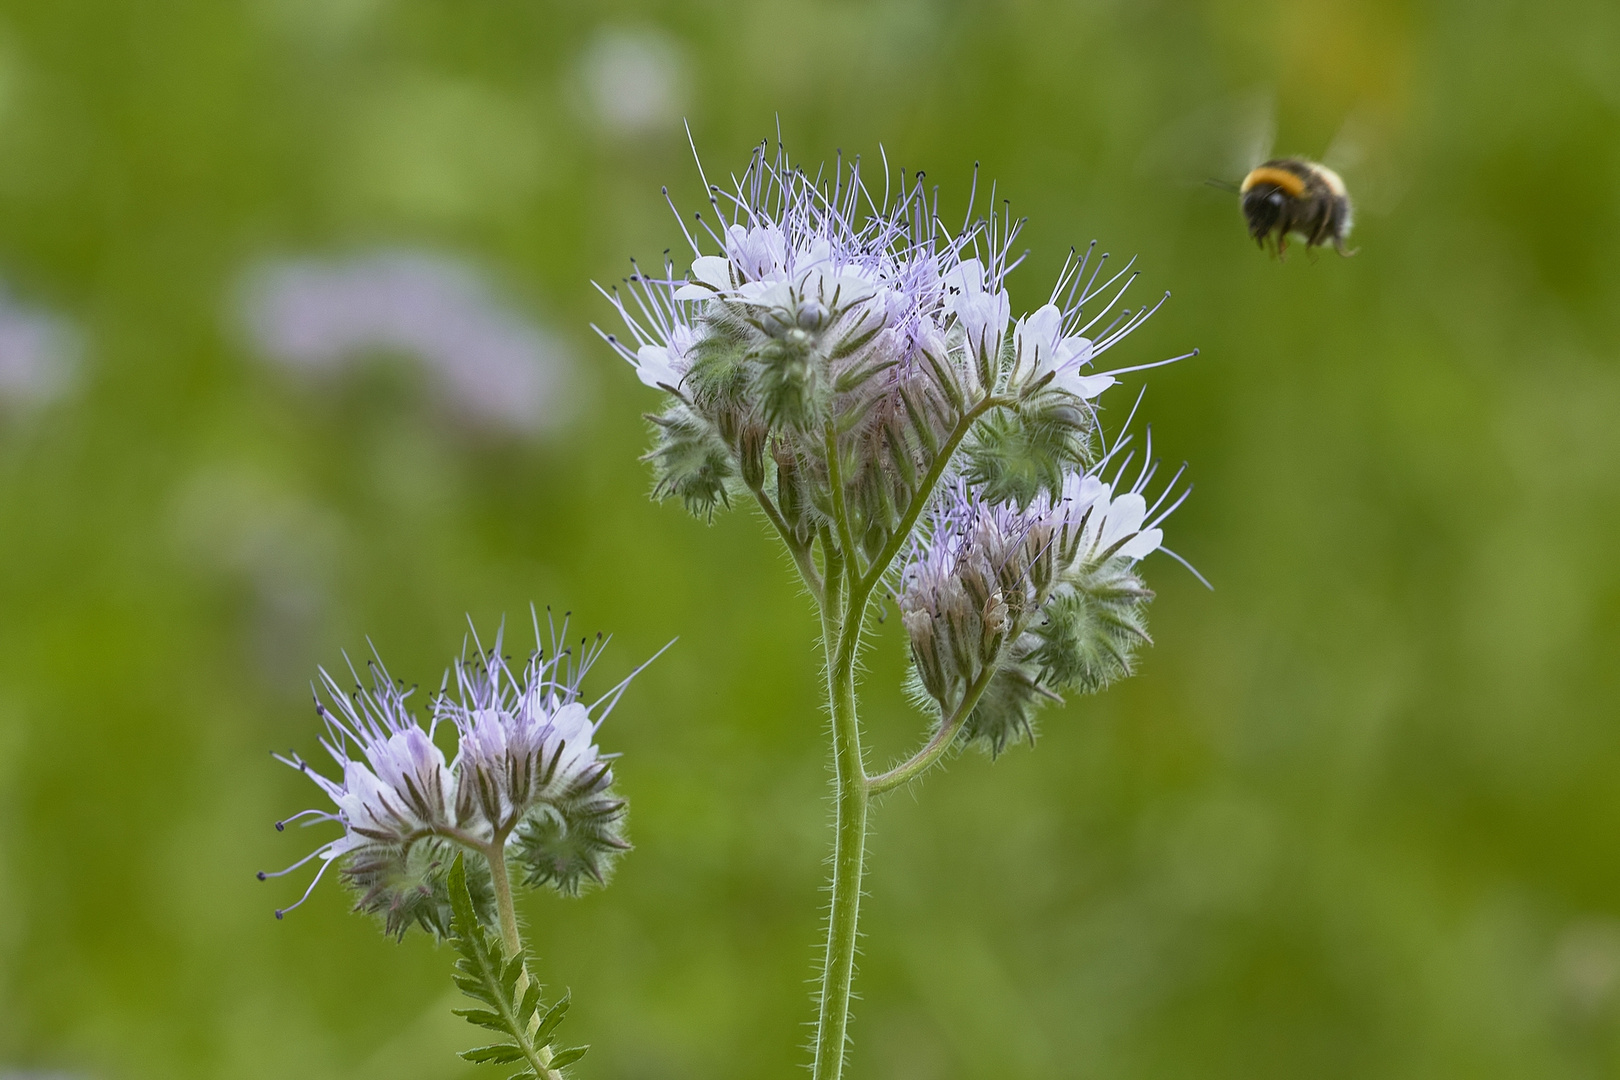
(925, 492)
(835, 485)
(843, 617)
(800, 552)
(849, 852)
(495, 853)
(920, 762)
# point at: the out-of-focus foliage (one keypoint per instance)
(1358, 816)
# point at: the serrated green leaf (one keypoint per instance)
(462, 907)
(471, 987)
(487, 975)
(494, 1054)
(530, 1003)
(481, 1018)
(564, 1058)
(510, 976)
(553, 1017)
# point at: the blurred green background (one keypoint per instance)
(1359, 814)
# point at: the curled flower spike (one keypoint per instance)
(1011, 607)
(394, 786)
(527, 779)
(528, 764)
(829, 349)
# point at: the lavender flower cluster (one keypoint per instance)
(1007, 607)
(854, 366)
(527, 778)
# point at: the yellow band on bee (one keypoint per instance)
(1281, 179)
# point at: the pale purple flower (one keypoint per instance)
(492, 360)
(1100, 520)
(1093, 518)
(802, 252)
(526, 745)
(637, 81)
(981, 308)
(808, 255)
(525, 736)
(1040, 342)
(393, 785)
(39, 353)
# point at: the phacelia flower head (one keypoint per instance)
(813, 303)
(858, 368)
(1010, 606)
(393, 788)
(527, 777)
(528, 764)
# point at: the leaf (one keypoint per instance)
(530, 1004)
(496, 1054)
(568, 1057)
(553, 1017)
(481, 1018)
(485, 974)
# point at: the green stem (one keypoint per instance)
(843, 616)
(925, 491)
(835, 486)
(800, 552)
(942, 741)
(495, 853)
(848, 858)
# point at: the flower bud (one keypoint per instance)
(750, 446)
(919, 624)
(812, 315)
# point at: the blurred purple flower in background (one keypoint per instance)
(635, 81)
(39, 354)
(495, 364)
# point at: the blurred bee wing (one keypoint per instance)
(1257, 134)
(1360, 152)
(1219, 141)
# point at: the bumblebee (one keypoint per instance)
(1292, 196)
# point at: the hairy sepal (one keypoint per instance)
(1082, 638)
(792, 381)
(1094, 622)
(573, 841)
(1020, 452)
(1005, 713)
(405, 885)
(690, 461)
